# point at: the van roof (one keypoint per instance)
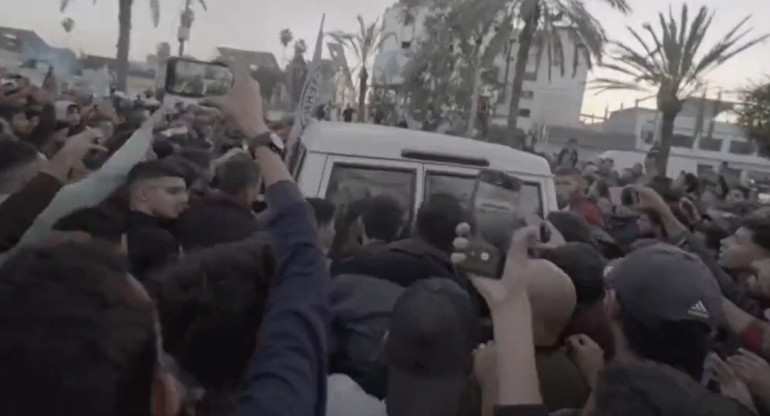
(374, 141)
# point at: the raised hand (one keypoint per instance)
(243, 104)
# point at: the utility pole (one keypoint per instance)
(184, 28)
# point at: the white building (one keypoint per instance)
(727, 143)
(554, 101)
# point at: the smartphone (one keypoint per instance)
(496, 215)
(189, 78)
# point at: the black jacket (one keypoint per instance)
(403, 263)
(213, 221)
(150, 245)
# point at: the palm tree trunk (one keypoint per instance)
(666, 138)
(124, 42)
(364, 77)
(526, 37)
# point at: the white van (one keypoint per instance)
(348, 162)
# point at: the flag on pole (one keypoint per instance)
(308, 99)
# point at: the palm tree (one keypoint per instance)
(671, 62)
(545, 24)
(124, 34)
(365, 44)
(286, 37)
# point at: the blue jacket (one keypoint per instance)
(288, 376)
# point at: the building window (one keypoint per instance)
(524, 112)
(713, 145)
(406, 45)
(741, 148)
(680, 140)
(527, 95)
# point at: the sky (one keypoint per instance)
(255, 25)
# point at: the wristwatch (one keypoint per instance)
(269, 140)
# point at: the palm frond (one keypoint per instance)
(609, 84)
(619, 5)
(671, 60)
(64, 4)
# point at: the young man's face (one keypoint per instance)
(166, 197)
(738, 251)
(567, 188)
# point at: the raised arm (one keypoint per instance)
(288, 376)
(97, 186)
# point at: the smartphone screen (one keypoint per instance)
(496, 200)
(496, 214)
(196, 79)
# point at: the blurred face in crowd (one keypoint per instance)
(646, 226)
(568, 188)
(735, 196)
(73, 115)
(738, 251)
(22, 125)
(164, 197)
(326, 234)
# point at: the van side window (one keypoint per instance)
(350, 183)
(461, 187)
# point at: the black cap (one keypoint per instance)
(662, 283)
(432, 336)
(584, 266)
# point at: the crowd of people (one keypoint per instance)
(162, 261)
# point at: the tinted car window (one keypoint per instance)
(461, 187)
(349, 184)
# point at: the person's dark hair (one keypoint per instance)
(692, 184)
(744, 190)
(714, 235)
(584, 266)
(573, 227)
(237, 174)
(187, 169)
(324, 211)
(437, 220)
(199, 157)
(100, 222)
(15, 154)
(382, 218)
(83, 342)
(760, 230)
(210, 307)
(154, 169)
(683, 345)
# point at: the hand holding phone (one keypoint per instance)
(495, 210)
(196, 79)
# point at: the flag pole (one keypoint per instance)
(307, 102)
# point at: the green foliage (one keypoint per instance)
(754, 116)
(441, 69)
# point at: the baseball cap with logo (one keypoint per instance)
(662, 283)
(432, 335)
